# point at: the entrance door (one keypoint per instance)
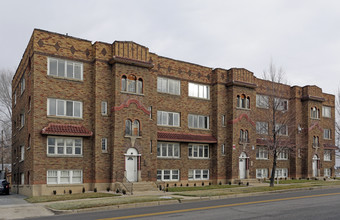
(315, 165)
(131, 165)
(242, 165)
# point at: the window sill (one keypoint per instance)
(203, 129)
(239, 108)
(67, 156)
(198, 179)
(65, 78)
(105, 115)
(64, 117)
(327, 160)
(262, 107)
(203, 158)
(28, 148)
(131, 93)
(105, 152)
(262, 159)
(168, 158)
(129, 136)
(315, 118)
(203, 99)
(63, 184)
(166, 93)
(21, 161)
(169, 126)
(282, 159)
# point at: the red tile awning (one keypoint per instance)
(330, 147)
(66, 129)
(182, 137)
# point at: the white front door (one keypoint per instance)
(242, 165)
(131, 165)
(315, 166)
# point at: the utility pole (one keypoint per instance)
(2, 149)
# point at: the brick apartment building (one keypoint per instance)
(96, 115)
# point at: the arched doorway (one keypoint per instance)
(131, 162)
(315, 165)
(243, 161)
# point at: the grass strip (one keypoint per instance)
(54, 198)
(105, 202)
(196, 188)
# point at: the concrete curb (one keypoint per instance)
(182, 200)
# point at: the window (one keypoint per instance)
(327, 134)
(261, 152)
(64, 176)
(168, 118)
(29, 103)
(64, 146)
(327, 172)
(283, 154)
(244, 136)
(150, 110)
(104, 108)
(104, 144)
(281, 129)
(200, 151)
(135, 128)
(65, 69)
(262, 101)
(198, 121)
(22, 120)
(261, 173)
(281, 104)
(131, 84)
(128, 128)
(243, 101)
(170, 86)
(198, 174)
(281, 173)
(199, 91)
(15, 97)
(22, 153)
(315, 141)
(169, 150)
(315, 113)
(167, 175)
(22, 177)
(29, 141)
(327, 155)
(223, 149)
(326, 111)
(261, 127)
(58, 107)
(22, 85)
(223, 120)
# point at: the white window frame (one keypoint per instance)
(65, 147)
(168, 149)
(261, 173)
(104, 108)
(327, 134)
(163, 118)
(67, 62)
(283, 154)
(314, 112)
(167, 172)
(198, 174)
(280, 104)
(22, 177)
(261, 127)
(327, 172)
(223, 120)
(169, 86)
(104, 145)
(198, 151)
(262, 101)
(22, 120)
(22, 85)
(326, 112)
(327, 155)
(57, 103)
(57, 176)
(262, 153)
(194, 121)
(22, 153)
(198, 90)
(281, 129)
(281, 173)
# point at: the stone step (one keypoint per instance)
(144, 186)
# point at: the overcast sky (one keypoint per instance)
(301, 36)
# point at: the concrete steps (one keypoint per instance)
(144, 186)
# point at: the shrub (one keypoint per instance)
(95, 190)
(83, 190)
(70, 191)
(124, 192)
(108, 189)
(54, 192)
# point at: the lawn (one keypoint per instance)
(54, 198)
(196, 188)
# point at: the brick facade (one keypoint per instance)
(103, 66)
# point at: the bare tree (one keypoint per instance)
(6, 112)
(278, 119)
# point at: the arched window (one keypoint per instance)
(246, 135)
(131, 84)
(123, 83)
(248, 103)
(140, 86)
(314, 112)
(238, 101)
(243, 101)
(315, 141)
(135, 128)
(128, 128)
(241, 135)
